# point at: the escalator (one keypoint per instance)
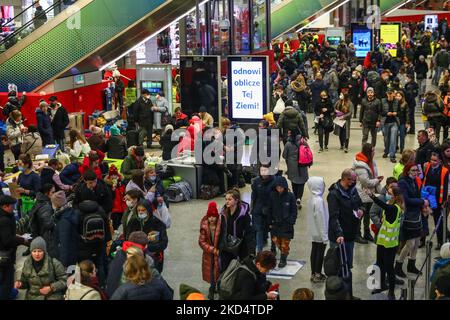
(290, 15)
(83, 38)
(386, 5)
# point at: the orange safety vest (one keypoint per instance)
(444, 172)
(447, 106)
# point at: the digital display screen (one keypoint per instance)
(334, 41)
(362, 39)
(390, 35)
(153, 86)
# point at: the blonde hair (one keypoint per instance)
(136, 270)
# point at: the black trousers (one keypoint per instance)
(386, 260)
(323, 132)
(317, 254)
(6, 282)
(298, 190)
(343, 137)
(16, 151)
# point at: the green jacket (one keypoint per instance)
(52, 273)
(128, 165)
(291, 119)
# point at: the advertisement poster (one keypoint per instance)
(362, 39)
(389, 36)
(247, 85)
(431, 22)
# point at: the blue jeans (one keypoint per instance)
(261, 232)
(390, 138)
(402, 135)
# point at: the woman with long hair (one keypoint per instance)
(87, 288)
(79, 147)
(367, 171)
(237, 234)
(411, 228)
(140, 285)
(403, 117)
(343, 111)
(408, 156)
(388, 236)
(324, 112)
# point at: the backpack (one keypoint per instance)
(93, 228)
(179, 191)
(305, 155)
(226, 284)
(335, 262)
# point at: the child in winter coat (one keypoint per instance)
(282, 217)
(209, 242)
(318, 218)
(114, 181)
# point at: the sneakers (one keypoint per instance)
(346, 150)
(385, 156)
(393, 160)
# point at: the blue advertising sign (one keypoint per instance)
(362, 39)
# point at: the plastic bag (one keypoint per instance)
(163, 214)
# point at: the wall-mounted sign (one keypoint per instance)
(390, 36)
(362, 39)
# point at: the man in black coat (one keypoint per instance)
(14, 103)
(345, 209)
(8, 245)
(251, 282)
(95, 190)
(423, 153)
(143, 113)
(60, 120)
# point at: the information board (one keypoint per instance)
(389, 36)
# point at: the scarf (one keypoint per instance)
(363, 158)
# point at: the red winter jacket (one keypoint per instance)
(87, 165)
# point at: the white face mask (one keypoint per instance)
(130, 203)
(142, 216)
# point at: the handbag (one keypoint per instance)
(232, 244)
(5, 258)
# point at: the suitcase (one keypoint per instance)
(132, 138)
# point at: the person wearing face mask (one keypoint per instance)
(43, 277)
(436, 175)
(29, 181)
(411, 92)
(366, 169)
(390, 124)
(388, 236)
(144, 115)
(345, 211)
(132, 197)
(154, 229)
(412, 227)
(154, 186)
(343, 111)
(442, 61)
(44, 124)
(324, 112)
(355, 91)
(375, 210)
(117, 187)
(421, 69)
(15, 131)
(433, 109)
(370, 116)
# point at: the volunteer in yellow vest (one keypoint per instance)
(436, 175)
(287, 47)
(388, 237)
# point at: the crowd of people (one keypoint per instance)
(111, 223)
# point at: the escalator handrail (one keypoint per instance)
(18, 15)
(29, 23)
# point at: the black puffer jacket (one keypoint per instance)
(282, 211)
(116, 147)
(13, 103)
(327, 115)
(101, 194)
(43, 223)
(432, 108)
(341, 204)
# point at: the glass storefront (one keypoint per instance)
(259, 12)
(241, 27)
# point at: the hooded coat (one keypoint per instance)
(52, 274)
(66, 235)
(130, 163)
(101, 194)
(208, 243)
(282, 211)
(260, 201)
(367, 178)
(156, 289)
(341, 204)
(79, 291)
(42, 219)
(318, 216)
(413, 204)
(291, 119)
(32, 144)
(295, 173)
(116, 147)
(432, 108)
(44, 126)
(59, 122)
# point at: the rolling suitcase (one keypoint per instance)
(132, 138)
